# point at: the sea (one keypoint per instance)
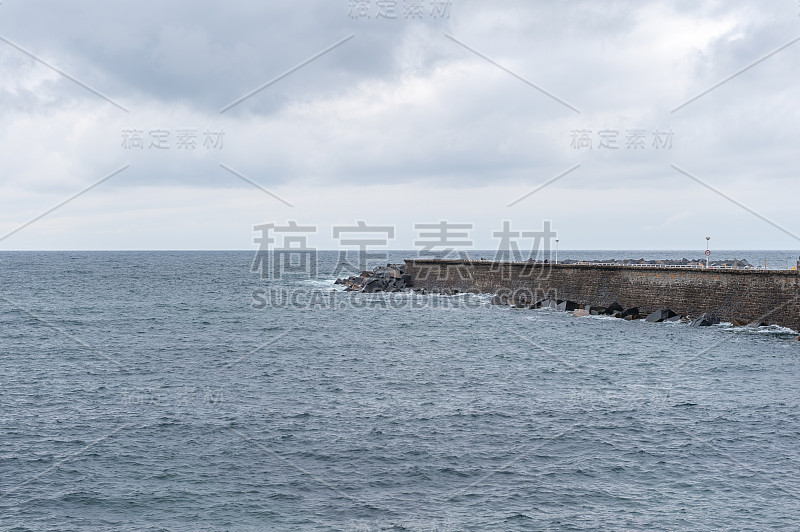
(185, 391)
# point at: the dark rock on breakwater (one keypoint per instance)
(615, 309)
(558, 304)
(631, 313)
(705, 320)
(660, 315)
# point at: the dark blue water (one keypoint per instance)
(143, 391)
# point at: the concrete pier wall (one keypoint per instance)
(771, 296)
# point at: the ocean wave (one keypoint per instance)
(769, 330)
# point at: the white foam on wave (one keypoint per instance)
(774, 330)
(770, 329)
(603, 317)
(322, 283)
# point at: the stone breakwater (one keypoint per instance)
(739, 296)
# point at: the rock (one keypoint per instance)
(614, 307)
(660, 315)
(562, 306)
(616, 314)
(351, 284)
(375, 285)
(739, 323)
(579, 313)
(631, 312)
(705, 320)
(758, 324)
(392, 273)
(571, 305)
(596, 311)
(798, 338)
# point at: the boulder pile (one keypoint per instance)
(615, 310)
(389, 278)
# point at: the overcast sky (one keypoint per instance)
(450, 112)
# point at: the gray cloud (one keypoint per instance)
(400, 102)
